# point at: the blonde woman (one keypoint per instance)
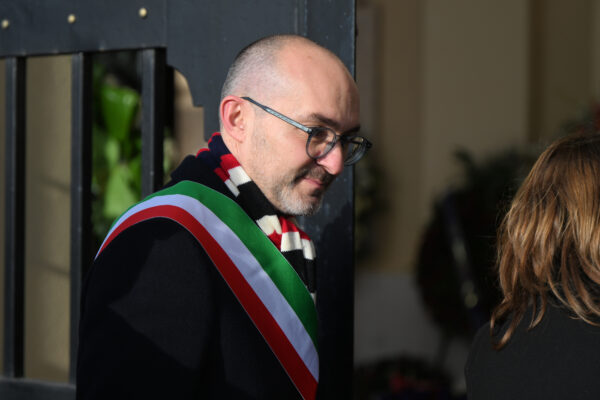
(545, 334)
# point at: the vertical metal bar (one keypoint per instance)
(81, 168)
(15, 218)
(169, 100)
(153, 118)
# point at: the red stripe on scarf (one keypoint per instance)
(228, 162)
(224, 175)
(289, 226)
(276, 239)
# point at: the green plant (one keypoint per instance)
(116, 151)
(117, 145)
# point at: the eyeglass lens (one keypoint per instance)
(322, 140)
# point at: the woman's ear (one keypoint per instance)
(233, 117)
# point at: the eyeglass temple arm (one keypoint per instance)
(278, 115)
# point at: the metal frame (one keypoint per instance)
(200, 39)
(14, 281)
(81, 172)
(153, 118)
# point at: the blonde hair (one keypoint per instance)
(549, 241)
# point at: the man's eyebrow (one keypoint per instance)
(352, 131)
(323, 120)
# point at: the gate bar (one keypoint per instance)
(14, 284)
(153, 118)
(81, 172)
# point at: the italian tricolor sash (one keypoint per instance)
(265, 284)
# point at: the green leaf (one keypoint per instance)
(135, 170)
(119, 193)
(119, 105)
(112, 152)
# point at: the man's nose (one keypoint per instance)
(333, 162)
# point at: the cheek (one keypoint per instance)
(293, 149)
(292, 161)
(281, 150)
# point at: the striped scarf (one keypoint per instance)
(282, 230)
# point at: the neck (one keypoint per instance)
(234, 148)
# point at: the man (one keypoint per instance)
(204, 289)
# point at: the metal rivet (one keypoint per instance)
(143, 12)
(71, 18)
(5, 24)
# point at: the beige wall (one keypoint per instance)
(595, 49)
(562, 63)
(475, 85)
(47, 216)
(453, 74)
(482, 75)
(397, 140)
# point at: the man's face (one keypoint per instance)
(317, 95)
(293, 182)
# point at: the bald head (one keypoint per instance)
(255, 63)
(262, 68)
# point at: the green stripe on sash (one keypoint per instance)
(270, 258)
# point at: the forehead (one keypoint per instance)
(317, 83)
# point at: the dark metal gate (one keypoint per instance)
(200, 39)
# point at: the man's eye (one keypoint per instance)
(320, 134)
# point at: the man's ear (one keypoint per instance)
(233, 117)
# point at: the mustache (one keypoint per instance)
(317, 173)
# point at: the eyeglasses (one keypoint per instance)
(321, 140)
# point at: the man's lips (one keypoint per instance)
(314, 182)
(317, 177)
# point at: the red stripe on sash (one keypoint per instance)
(255, 308)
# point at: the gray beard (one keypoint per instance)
(292, 205)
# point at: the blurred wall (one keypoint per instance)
(452, 75)
(562, 61)
(48, 218)
(595, 49)
(47, 214)
(392, 68)
(480, 75)
(475, 84)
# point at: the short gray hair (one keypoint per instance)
(255, 63)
